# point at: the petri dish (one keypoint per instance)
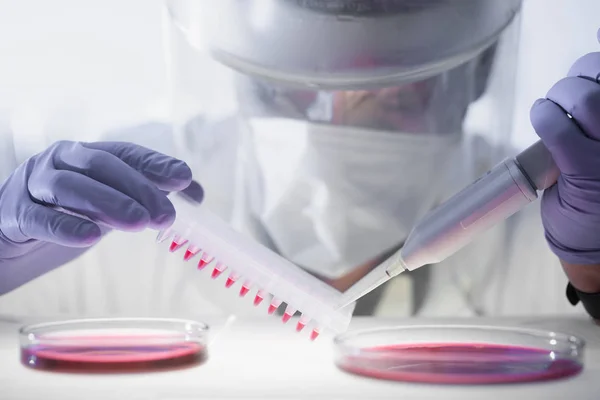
(114, 345)
(467, 355)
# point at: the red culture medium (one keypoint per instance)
(113, 358)
(463, 363)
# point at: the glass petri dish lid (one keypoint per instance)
(459, 354)
(114, 345)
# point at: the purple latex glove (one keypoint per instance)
(118, 185)
(571, 208)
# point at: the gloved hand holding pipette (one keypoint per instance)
(574, 144)
(568, 122)
(117, 185)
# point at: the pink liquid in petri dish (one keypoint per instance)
(459, 364)
(116, 358)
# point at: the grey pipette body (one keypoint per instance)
(501, 192)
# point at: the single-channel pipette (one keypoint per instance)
(501, 192)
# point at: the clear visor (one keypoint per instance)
(342, 44)
(435, 105)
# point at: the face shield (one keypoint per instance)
(346, 118)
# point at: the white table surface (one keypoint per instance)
(263, 359)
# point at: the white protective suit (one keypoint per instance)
(100, 83)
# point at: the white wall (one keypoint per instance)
(555, 33)
(74, 67)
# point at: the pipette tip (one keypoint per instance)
(375, 278)
(163, 235)
(244, 291)
(190, 252)
(176, 246)
(314, 334)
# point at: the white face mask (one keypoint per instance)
(332, 198)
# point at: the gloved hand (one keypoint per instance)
(118, 185)
(568, 122)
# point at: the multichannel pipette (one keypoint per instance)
(255, 268)
(497, 195)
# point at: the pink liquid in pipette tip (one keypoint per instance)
(218, 270)
(302, 323)
(231, 279)
(204, 261)
(314, 334)
(244, 290)
(259, 297)
(460, 363)
(190, 252)
(93, 358)
(275, 303)
(176, 244)
(288, 314)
